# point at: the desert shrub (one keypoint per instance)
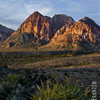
(81, 52)
(66, 74)
(74, 53)
(68, 63)
(13, 87)
(67, 90)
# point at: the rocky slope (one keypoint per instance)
(83, 33)
(36, 30)
(4, 32)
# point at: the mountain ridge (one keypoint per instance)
(36, 30)
(60, 31)
(84, 31)
(5, 32)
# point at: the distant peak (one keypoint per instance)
(36, 13)
(59, 15)
(87, 20)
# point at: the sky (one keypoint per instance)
(14, 12)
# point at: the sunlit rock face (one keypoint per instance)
(85, 30)
(37, 24)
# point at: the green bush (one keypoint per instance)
(67, 90)
(13, 87)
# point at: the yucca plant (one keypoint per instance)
(69, 90)
(66, 90)
(46, 92)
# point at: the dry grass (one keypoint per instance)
(67, 62)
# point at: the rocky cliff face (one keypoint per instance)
(85, 30)
(44, 27)
(39, 25)
(60, 20)
(4, 32)
(36, 30)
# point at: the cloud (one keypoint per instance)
(11, 13)
(45, 10)
(14, 12)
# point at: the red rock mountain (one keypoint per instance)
(59, 31)
(36, 30)
(83, 32)
(4, 32)
(37, 24)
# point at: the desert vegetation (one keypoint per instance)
(66, 75)
(39, 85)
